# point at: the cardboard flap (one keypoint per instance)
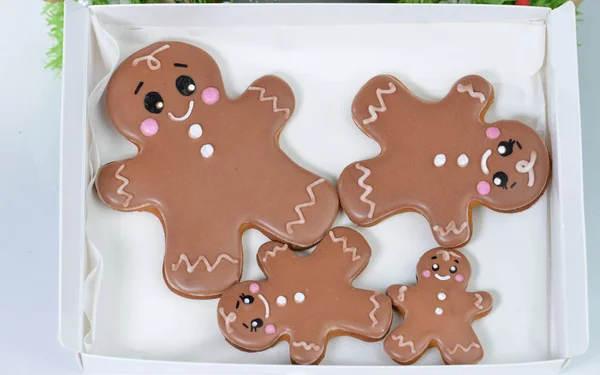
(73, 164)
(565, 126)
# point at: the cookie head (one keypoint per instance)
(245, 317)
(444, 266)
(515, 166)
(160, 91)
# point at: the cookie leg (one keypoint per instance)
(306, 350)
(299, 209)
(369, 317)
(202, 261)
(407, 343)
(460, 347)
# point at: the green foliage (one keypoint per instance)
(54, 13)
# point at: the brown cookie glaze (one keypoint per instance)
(305, 300)
(438, 311)
(208, 166)
(440, 159)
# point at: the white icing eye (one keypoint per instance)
(453, 269)
(435, 267)
(501, 149)
(439, 160)
(191, 88)
(159, 105)
(254, 323)
(497, 181)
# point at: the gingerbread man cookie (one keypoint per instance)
(438, 311)
(208, 166)
(440, 159)
(305, 300)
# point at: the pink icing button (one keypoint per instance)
(483, 187)
(149, 127)
(492, 133)
(459, 278)
(210, 95)
(254, 288)
(426, 273)
(269, 329)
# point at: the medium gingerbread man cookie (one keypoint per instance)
(438, 311)
(440, 159)
(208, 166)
(305, 300)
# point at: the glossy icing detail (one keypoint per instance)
(318, 286)
(435, 304)
(213, 169)
(313, 200)
(209, 267)
(439, 158)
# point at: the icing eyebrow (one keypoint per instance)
(237, 304)
(518, 144)
(456, 260)
(139, 86)
(513, 184)
(245, 325)
(179, 65)
(434, 257)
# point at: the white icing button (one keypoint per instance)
(439, 311)
(207, 150)
(439, 160)
(195, 131)
(441, 296)
(299, 297)
(462, 160)
(281, 301)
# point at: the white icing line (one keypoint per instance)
(479, 301)
(368, 189)
(382, 108)
(446, 254)
(306, 345)
(229, 318)
(264, 301)
(271, 253)
(153, 62)
(190, 268)
(451, 227)
(401, 293)
(484, 159)
(298, 208)
(469, 88)
(121, 189)
(376, 306)
(467, 349)
(345, 248)
(401, 343)
(262, 98)
(184, 117)
(524, 166)
(443, 278)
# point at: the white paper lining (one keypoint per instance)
(132, 313)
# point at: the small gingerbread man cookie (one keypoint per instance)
(208, 166)
(305, 300)
(440, 159)
(438, 311)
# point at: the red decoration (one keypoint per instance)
(522, 2)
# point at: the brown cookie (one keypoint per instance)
(440, 159)
(438, 311)
(208, 166)
(305, 300)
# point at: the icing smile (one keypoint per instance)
(524, 166)
(484, 159)
(264, 301)
(184, 117)
(443, 278)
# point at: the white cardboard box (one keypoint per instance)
(567, 322)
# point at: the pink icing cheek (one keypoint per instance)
(149, 127)
(270, 329)
(254, 288)
(459, 278)
(483, 187)
(426, 273)
(210, 95)
(492, 133)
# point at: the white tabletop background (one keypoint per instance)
(29, 157)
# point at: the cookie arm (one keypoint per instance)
(399, 294)
(482, 304)
(117, 186)
(343, 247)
(274, 256)
(272, 98)
(450, 222)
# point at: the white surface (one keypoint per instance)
(28, 326)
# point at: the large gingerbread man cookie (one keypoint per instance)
(438, 311)
(305, 300)
(440, 158)
(208, 166)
